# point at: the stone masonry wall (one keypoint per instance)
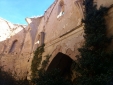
(63, 32)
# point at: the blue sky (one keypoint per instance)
(16, 11)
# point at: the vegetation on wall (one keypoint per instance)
(95, 63)
(40, 76)
(36, 61)
(38, 67)
(51, 78)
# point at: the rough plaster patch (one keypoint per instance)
(64, 48)
(71, 54)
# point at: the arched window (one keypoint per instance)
(42, 36)
(40, 39)
(37, 42)
(13, 46)
(60, 9)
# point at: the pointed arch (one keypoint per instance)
(13, 46)
(62, 62)
(60, 9)
(39, 41)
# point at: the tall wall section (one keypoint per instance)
(60, 29)
(61, 24)
(16, 46)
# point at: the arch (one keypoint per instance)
(39, 41)
(13, 46)
(60, 9)
(62, 62)
(42, 36)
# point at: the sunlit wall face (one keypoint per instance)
(8, 29)
(4, 30)
(4, 35)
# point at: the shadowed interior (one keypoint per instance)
(61, 62)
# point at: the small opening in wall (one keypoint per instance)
(37, 42)
(13, 46)
(60, 9)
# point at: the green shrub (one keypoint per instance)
(40, 76)
(95, 67)
(51, 78)
(36, 61)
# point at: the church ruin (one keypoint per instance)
(60, 29)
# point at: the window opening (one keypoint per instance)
(40, 39)
(37, 40)
(60, 9)
(13, 46)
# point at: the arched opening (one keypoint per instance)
(62, 62)
(60, 9)
(42, 36)
(39, 40)
(13, 46)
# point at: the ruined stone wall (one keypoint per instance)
(105, 3)
(65, 33)
(33, 26)
(62, 28)
(15, 52)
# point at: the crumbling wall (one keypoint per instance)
(63, 30)
(65, 33)
(15, 52)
